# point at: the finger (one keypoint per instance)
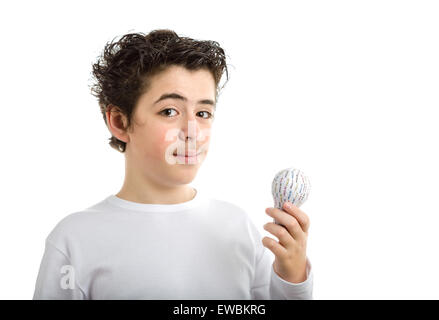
(274, 247)
(285, 238)
(301, 216)
(288, 221)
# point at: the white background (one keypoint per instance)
(347, 91)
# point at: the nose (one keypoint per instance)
(189, 129)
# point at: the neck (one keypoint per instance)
(141, 189)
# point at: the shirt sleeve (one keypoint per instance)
(267, 285)
(56, 277)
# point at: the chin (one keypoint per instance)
(185, 177)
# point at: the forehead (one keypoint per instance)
(190, 83)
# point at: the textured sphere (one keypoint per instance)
(290, 185)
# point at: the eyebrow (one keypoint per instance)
(174, 95)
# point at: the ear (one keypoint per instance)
(117, 123)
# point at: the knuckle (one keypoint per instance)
(293, 223)
(307, 221)
(282, 232)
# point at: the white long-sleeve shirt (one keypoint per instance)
(200, 249)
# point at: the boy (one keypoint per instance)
(159, 238)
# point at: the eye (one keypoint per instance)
(207, 112)
(167, 109)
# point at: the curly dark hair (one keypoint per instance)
(122, 72)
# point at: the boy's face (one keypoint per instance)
(169, 126)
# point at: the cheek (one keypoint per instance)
(162, 139)
(152, 140)
(204, 138)
(204, 144)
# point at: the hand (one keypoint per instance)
(290, 251)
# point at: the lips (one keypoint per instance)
(188, 151)
(188, 154)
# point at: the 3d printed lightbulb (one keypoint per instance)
(290, 185)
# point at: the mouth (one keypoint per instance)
(187, 155)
